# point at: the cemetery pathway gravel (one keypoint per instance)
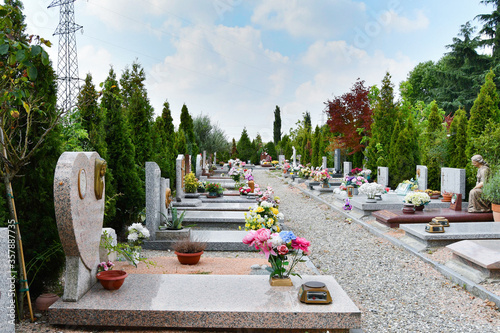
(395, 291)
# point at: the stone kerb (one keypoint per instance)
(153, 175)
(422, 177)
(453, 180)
(79, 216)
(7, 308)
(180, 172)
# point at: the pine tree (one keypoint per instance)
(394, 155)
(167, 152)
(121, 157)
(277, 125)
(385, 115)
(457, 141)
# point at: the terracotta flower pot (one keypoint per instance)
(496, 212)
(44, 301)
(188, 258)
(112, 280)
(446, 198)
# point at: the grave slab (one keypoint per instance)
(229, 199)
(228, 220)
(454, 233)
(393, 218)
(208, 302)
(7, 307)
(478, 260)
(390, 201)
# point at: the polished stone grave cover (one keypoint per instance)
(209, 302)
(393, 218)
(454, 233)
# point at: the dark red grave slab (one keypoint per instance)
(393, 218)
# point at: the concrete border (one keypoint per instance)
(455, 277)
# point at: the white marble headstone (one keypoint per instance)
(422, 177)
(347, 168)
(453, 180)
(281, 159)
(294, 157)
(199, 167)
(323, 163)
(383, 176)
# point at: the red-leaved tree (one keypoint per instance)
(350, 116)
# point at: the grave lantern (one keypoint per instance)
(350, 190)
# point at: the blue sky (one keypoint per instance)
(236, 60)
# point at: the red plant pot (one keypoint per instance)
(189, 258)
(112, 280)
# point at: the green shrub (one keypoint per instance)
(190, 183)
(491, 189)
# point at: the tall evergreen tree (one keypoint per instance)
(316, 157)
(121, 157)
(457, 141)
(277, 125)
(188, 128)
(139, 113)
(244, 146)
(181, 144)
(166, 129)
(234, 150)
(491, 27)
(434, 151)
(385, 115)
(92, 116)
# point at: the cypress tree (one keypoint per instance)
(434, 150)
(277, 125)
(121, 157)
(385, 115)
(244, 146)
(165, 127)
(181, 144)
(457, 141)
(234, 150)
(187, 126)
(316, 157)
(394, 157)
(139, 113)
(92, 116)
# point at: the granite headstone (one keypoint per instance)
(199, 167)
(281, 159)
(180, 172)
(153, 175)
(79, 217)
(337, 160)
(323, 163)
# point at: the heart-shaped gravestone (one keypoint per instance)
(79, 213)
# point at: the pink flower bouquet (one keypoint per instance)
(283, 250)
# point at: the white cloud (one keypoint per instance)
(314, 18)
(394, 22)
(95, 61)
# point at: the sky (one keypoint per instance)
(236, 60)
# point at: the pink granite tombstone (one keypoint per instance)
(79, 216)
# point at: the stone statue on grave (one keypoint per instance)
(476, 203)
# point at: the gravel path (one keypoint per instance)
(395, 291)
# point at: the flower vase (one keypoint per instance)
(408, 208)
(325, 184)
(275, 281)
(212, 195)
(419, 208)
(251, 184)
(371, 198)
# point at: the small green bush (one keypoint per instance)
(491, 189)
(190, 183)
